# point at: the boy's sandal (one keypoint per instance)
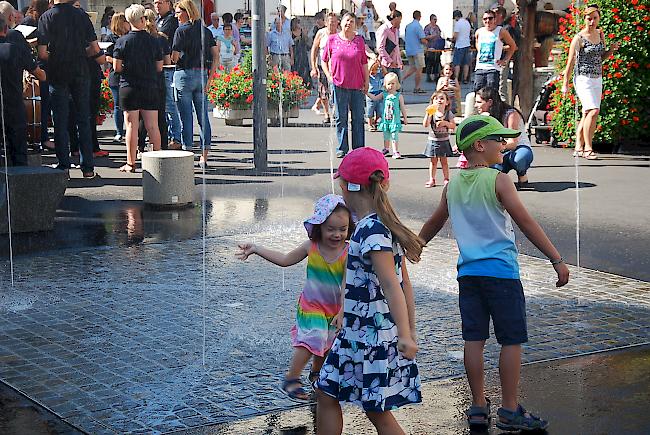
(430, 183)
(295, 390)
(519, 420)
(590, 155)
(479, 416)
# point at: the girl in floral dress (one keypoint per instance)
(371, 363)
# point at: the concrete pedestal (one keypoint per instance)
(168, 178)
(34, 195)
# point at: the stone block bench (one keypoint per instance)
(168, 178)
(34, 195)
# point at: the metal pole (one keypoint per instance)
(260, 115)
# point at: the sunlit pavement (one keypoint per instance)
(105, 324)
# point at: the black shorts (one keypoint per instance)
(481, 298)
(139, 98)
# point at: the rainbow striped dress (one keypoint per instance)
(319, 302)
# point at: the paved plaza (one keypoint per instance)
(116, 326)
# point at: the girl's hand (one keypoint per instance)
(407, 346)
(337, 321)
(404, 120)
(245, 250)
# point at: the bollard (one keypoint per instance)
(168, 178)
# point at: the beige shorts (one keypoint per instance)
(417, 60)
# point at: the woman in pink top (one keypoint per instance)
(390, 55)
(345, 65)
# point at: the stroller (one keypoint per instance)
(539, 122)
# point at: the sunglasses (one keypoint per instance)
(494, 138)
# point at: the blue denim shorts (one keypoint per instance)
(374, 108)
(482, 297)
(462, 56)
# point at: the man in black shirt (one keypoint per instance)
(167, 24)
(14, 58)
(66, 37)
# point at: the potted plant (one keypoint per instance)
(232, 93)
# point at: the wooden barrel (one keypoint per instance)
(32, 101)
(546, 24)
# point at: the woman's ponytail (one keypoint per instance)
(409, 241)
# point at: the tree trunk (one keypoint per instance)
(525, 80)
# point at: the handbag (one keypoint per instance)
(390, 46)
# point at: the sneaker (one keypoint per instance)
(397, 155)
(118, 138)
(89, 175)
(340, 154)
(101, 153)
(203, 164)
(385, 152)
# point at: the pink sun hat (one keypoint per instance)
(322, 210)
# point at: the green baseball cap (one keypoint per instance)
(478, 127)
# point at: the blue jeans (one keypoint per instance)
(118, 114)
(189, 85)
(354, 101)
(518, 159)
(78, 89)
(173, 121)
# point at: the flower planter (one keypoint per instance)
(235, 117)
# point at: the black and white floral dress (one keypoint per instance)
(364, 366)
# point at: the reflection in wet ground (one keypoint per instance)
(111, 338)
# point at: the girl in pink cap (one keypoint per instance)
(319, 305)
(372, 361)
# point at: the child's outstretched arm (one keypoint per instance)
(507, 194)
(407, 287)
(384, 266)
(294, 257)
(374, 97)
(437, 219)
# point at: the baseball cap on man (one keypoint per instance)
(478, 127)
(357, 167)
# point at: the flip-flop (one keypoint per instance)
(590, 155)
(430, 183)
(577, 153)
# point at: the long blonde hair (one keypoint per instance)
(411, 243)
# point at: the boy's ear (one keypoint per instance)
(478, 146)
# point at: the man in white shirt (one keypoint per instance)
(214, 27)
(461, 38)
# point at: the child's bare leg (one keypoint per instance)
(317, 363)
(385, 423)
(395, 146)
(509, 370)
(386, 144)
(433, 167)
(445, 167)
(329, 418)
(299, 360)
(475, 372)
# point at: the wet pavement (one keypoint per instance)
(113, 325)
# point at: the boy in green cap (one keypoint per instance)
(481, 202)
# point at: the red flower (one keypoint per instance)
(222, 95)
(226, 79)
(249, 99)
(608, 92)
(626, 38)
(618, 75)
(236, 95)
(614, 10)
(635, 118)
(611, 36)
(635, 2)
